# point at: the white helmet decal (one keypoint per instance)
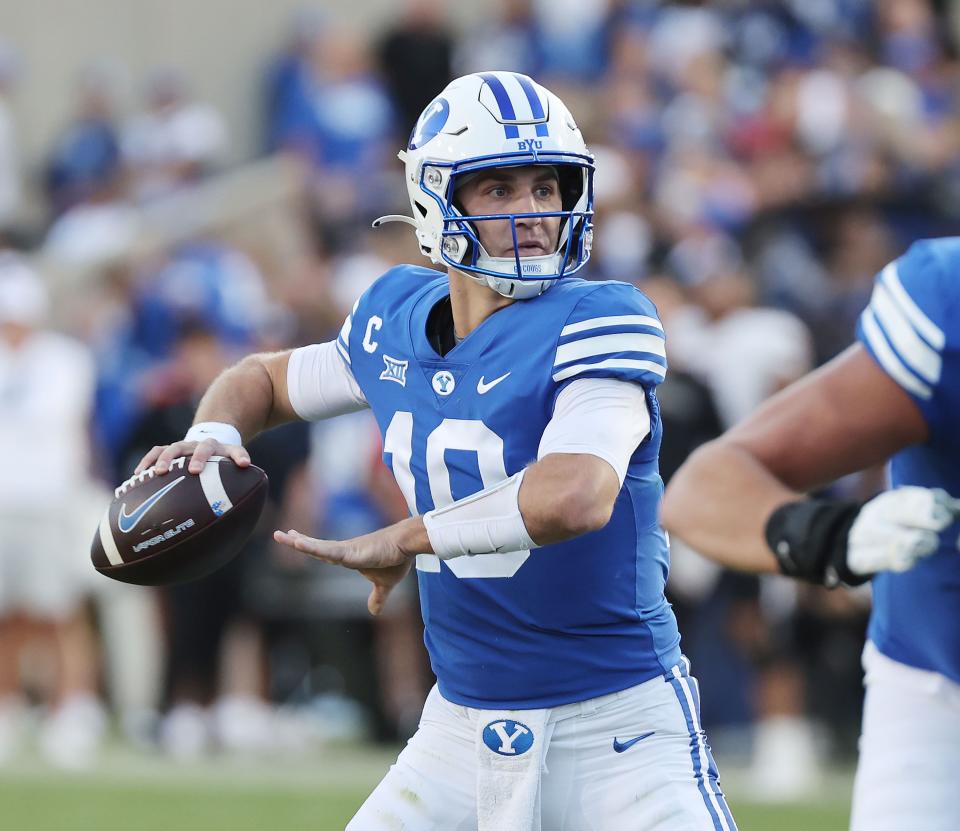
(487, 120)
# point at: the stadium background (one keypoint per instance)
(191, 183)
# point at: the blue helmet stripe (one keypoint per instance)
(504, 103)
(536, 107)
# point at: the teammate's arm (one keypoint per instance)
(844, 417)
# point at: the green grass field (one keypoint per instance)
(139, 793)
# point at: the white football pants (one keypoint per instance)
(907, 776)
(661, 777)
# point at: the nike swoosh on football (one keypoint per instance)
(127, 522)
(619, 747)
(482, 387)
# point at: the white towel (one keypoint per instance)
(511, 747)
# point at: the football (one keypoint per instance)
(179, 526)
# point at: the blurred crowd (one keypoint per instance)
(757, 164)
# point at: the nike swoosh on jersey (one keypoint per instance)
(619, 747)
(486, 387)
(127, 522)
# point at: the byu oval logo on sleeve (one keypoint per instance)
(508, 738)
(431, 122)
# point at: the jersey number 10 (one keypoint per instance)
(451, 434)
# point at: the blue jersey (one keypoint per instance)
(912, 329)
(526, 629)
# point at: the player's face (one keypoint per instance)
(512, 190)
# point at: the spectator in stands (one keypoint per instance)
(86, 156)
(415, 55)
(203, 279)
(508, 39)
(341, 126)
(11, 173)
(175, 141)
(46, 394)
(287, 77)
(572, 36)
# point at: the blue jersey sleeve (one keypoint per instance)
(612, 332)
(910, 326)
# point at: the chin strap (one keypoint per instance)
(383, 220)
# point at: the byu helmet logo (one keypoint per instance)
(508, 738)
(431, 122)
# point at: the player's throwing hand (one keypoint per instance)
(383, 557)
(203, 441)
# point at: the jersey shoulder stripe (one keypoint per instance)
(908, 326)
(888, 358)
(612, 331)
(890, 278)
(607, 369)
(614, 320)
(608, 344)
(922, 358)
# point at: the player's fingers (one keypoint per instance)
(149, 458)
(907, 507)
(238, 453)
(171, 452)
(202, 453)
(377, 599)
(329, 551)
(948, 503)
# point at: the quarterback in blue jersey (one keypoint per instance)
(519, 416)
(895, 394)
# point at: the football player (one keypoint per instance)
(895, 394)
(519, 416)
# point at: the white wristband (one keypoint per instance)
(223, 433)
(488, 522)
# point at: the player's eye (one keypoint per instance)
(545, 191)
(498, 191)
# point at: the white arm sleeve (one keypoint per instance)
(599, 416)
(320, 384)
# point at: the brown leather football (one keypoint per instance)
(178, 526)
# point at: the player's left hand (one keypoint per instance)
(383, 557)
(898, 527)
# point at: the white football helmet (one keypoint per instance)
(497, 119)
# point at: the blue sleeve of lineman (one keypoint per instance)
(910, 325)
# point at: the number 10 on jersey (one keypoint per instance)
(451, 434)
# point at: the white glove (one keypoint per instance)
(895, 529)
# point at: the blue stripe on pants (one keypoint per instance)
(712, 796)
